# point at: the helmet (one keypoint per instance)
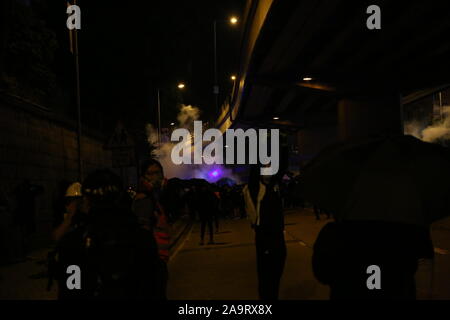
(74, 190)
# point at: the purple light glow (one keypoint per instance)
(215, 173)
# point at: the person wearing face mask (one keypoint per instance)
(149, 208)
(117, 258)
(74, 215)
(264, 208)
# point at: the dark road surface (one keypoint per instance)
(227, 269)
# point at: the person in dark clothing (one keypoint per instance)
(149, 207)
(343, 252)
(71, 215)
(25, 213)
(264, 207)
(60, 202)
(26, 194)
(118, 259)
(316, 212)
(207, 209)
(191, 202)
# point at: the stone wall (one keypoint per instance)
(36, 144)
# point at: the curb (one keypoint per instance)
(180, 236)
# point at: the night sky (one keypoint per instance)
(129, 49)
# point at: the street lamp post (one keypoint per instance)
(159, 118)
(216, 85)
(180, 87)
(233, 78)
(233, 21)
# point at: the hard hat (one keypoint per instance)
(74, 190)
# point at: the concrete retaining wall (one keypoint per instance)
(36, 144)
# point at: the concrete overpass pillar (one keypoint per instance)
(313, 139)
(362, 116)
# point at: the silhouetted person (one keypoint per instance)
(217, 212)
(118, 259)
(207, 210)
(343, 252)
(150, 209)
(316, 212)
(191, 201)
(72, 215)
(264, 208)
(59, 202)
(25, 213)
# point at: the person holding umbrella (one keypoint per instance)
(384, 193)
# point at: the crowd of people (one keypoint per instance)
(120, 236)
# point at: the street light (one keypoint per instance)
(233, 78)
(181, 87)
(233, 20)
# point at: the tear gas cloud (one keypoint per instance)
(431, 133)
(211, 173)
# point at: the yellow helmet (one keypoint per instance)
(74, 190)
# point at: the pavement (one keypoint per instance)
(227, 269)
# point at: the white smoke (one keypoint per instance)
(440, 130)
(186, 118)
(415, 128)
(432, 133)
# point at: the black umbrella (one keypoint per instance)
(226, 182)
(394, 178)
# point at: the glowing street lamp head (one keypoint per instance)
(233, 77)
(276, 118)
(181, 86)
(234, 20)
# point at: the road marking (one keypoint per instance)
(188, 236)
(300, 242)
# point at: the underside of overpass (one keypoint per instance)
(314, 69)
